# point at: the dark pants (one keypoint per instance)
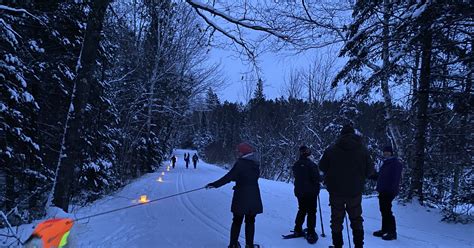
(306, 207)
(187, 164)
(353, 207)
(249, 229)
(388, 220)
(194, 163)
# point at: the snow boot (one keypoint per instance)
(379, 233)
(312, 237)
(252, 246)
(298, 232)
(390, 236)
(234, 245)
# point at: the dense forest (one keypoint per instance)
(96, 93)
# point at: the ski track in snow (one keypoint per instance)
(203, 218)
(196, 212)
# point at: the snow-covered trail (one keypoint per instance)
(203, 218)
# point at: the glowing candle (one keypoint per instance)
(143, 199)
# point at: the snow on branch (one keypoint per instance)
(197, 5)
(9, 227)
(24, 11)
(3, 7)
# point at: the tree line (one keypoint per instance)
(95, 93)
(92, 93)
(416, 55)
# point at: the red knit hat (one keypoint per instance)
(244, 148)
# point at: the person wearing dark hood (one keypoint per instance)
(173, 161)
(346, 165)
(246, 201)
(195, 160)
(388, 185)
(186, 159)
(306, 190)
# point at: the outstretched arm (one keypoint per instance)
(227, 178)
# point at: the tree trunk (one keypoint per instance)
(415, 79)
(396, 137)
(422, 116)
(85, 71)
(465, 139)
(9, 188)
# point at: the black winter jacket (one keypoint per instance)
(245, 173)
(346, 165)
(307, 177)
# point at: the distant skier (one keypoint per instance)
(306, 190)
(195, 160)
(186, 159)
(388, 185)
(346, 165)
(173, 161)
(246, 201)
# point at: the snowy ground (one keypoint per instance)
(203, 218)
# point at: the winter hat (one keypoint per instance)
(347, 129)
(244, 148)
(305, 151)
(388, 148)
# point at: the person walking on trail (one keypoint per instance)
(346, 165)
(388, 186)
(246, 201)
(306, 190)
(186, 159)
(195, 160)
(173, 161)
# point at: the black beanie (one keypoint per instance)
(388, 148)
(347, 129)
(304, 150)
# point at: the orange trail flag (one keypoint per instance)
(50, 234)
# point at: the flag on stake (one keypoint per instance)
(50, 234)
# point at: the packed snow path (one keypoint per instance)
(203, 218)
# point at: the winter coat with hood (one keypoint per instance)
(307, 177)
(245, 174)
(346, 165)
(389, 176)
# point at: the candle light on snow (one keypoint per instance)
(143, 199)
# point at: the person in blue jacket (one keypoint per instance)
(388, 185)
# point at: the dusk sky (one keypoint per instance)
(274, 66)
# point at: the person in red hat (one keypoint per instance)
(246, 201)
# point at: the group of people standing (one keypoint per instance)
(345, 166)
(187, 158)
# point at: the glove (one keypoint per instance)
(210, 186)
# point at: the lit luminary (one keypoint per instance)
(163, 173)
(143, 199)
(160, 179)
(168, 169)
